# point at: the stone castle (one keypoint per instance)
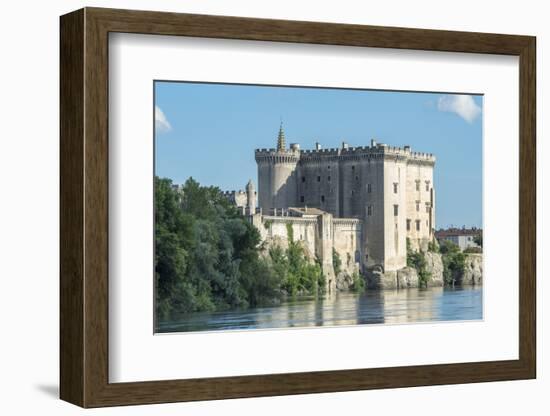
(363, 202)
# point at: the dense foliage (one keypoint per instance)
(453, 262)
(207, 256)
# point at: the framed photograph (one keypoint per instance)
(255, 207)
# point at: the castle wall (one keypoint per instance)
(395, 179)
(373, 211)
(348, 186)
(265, 198)
(275, 228)
(324, 247)
(317, 185)
(283, 185)
(347, 240)
(420, 203)
(238, 198)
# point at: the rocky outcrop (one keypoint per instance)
(407, 277)
(473, 270)
(344, 281)
(400, 279)
(434, 266)
(377, 279)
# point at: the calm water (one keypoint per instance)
(371, 307)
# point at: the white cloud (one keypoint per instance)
(161, 122)
(463, 105)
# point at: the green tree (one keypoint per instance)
(453, 262)
(207, 256)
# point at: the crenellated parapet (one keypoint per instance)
(349, 222)
(277, 156)
(377, 151)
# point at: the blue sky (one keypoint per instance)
(210, 131)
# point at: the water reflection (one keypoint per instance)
(371, 307)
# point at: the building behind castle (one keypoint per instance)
(363, 202)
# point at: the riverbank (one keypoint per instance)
(438, 269)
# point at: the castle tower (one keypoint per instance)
(251, 197)
(277, 175)
(389, 190)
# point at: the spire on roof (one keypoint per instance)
(281, 143)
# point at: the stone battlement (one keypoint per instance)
(231, 193)
(277, 156)
(374, 151)
(347, 221)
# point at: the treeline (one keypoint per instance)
(208, 257)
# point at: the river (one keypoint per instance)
(344, 308)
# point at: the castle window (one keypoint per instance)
(352, 192)
(318, 179)
(369, 188)
(395, 210)
(352, 167)
(322, 198)
(427, 185)
(395, 187)
(417, 225)
(356, 177)
(302, 198)
(328, 178)
(417, 185)
(369, 210)
(303, 178)
(417, 205)
(328, 167)
(408, 225)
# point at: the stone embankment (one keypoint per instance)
(408, 276)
